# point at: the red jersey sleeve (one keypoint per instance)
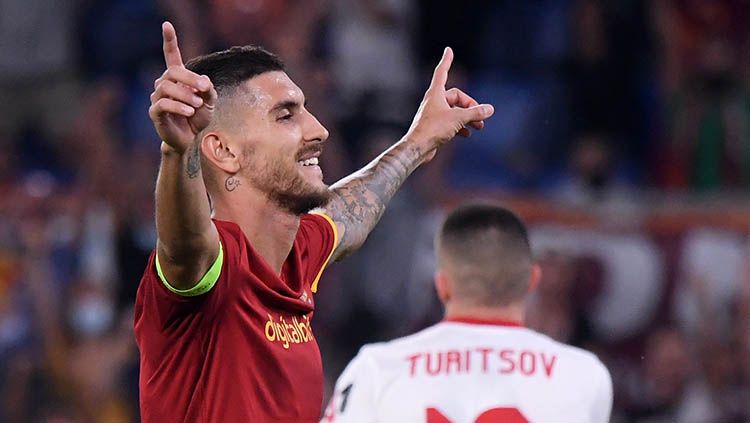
(167, 304)
(317, 238)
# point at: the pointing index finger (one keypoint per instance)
(172, 55)
(440, 77)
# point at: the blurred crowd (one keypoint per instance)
(621, 133)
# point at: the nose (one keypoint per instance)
(314, 130)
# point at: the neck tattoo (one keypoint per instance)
(231, 183)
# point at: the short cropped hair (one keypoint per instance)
(485, 250)
(228, 69)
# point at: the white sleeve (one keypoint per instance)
(353, 398)
(602, 406)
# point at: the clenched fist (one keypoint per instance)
(443, 114)
(183, 102)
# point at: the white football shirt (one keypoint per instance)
(469, 371)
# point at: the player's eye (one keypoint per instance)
(286, 115)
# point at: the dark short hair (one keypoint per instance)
(488, 252)
(228, 69)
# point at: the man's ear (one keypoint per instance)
(443, 287)
(536, 276)
(216, 149)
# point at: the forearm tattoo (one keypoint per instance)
(193, 166)
(359, 200)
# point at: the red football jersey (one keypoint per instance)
(243, 351)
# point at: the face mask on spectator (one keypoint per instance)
(91, 317)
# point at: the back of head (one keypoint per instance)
(484, 250)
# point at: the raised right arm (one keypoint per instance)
(181, 107)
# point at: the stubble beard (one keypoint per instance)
(287, 188)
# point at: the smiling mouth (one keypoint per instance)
(312, 161)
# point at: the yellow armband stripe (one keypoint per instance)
(314, 287)
(204, 285)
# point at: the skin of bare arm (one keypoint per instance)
(359, 200)
(182, 105)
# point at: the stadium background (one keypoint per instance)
(621, 132)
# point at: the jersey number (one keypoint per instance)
(493, 415)
(345, 394)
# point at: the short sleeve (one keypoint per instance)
(353, 398)
(317, 238)
(602, 406)
(163, 304)
(204, 284)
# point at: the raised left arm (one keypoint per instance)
(359, 200)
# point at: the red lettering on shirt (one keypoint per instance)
(413, 360)
(453, 359)
(485, 352)
(437, 360)
(504, 361)
(527, 363)
(548, 363)
(506, 356)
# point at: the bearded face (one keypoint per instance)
(279, 140)
(294, 183)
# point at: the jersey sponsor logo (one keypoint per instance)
(502, 361)
(288, 333)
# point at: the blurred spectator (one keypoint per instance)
(551, 309)
(99, 335)
(708, 146)
(711, 274)
(631, 280)
(593, 177)
(711, 129)
(668, 368)
(38, 77)
(373, 59)
(607, 75)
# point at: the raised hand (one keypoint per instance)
(443, 114)
(183, 102)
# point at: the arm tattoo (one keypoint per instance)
(359, 200)
(193, 166)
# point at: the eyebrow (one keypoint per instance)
(287, 104)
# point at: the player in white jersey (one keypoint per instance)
(480, 364)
